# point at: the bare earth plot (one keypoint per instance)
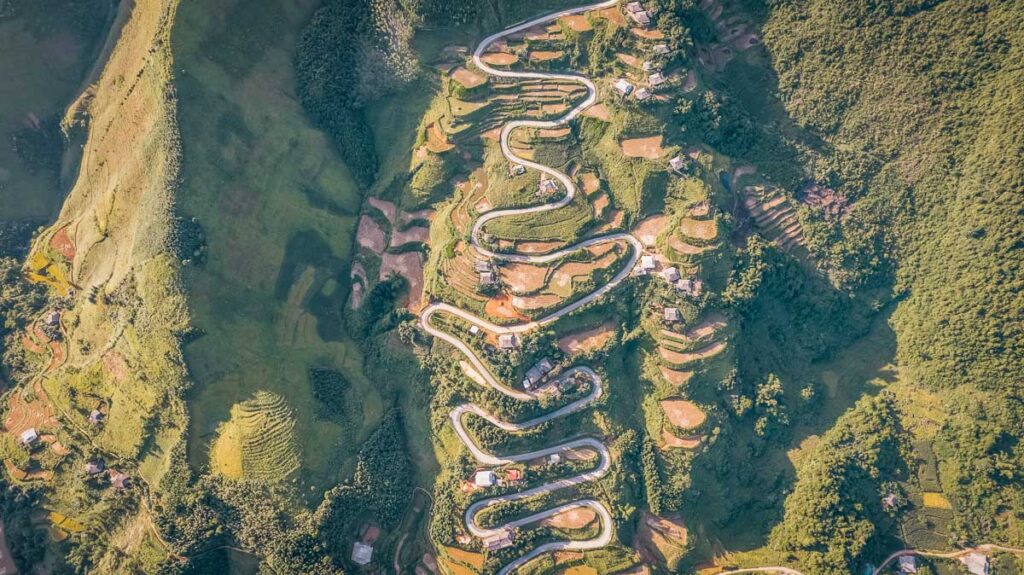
(587, 340)
(648, 148)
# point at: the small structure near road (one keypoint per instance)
(908, 564)
(655, 79)
(677, 165)
(648, 263)
(498, 541)
(516, 170)
(547, 187)
(487, 278)
(53, 318)
(362, 553)
(485, 478)
(623, 87)
(506, 341)
(976, 563)
(691, 287)
(671, 274)
(643, 94)
(535, 374)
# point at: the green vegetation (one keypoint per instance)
(258, 442)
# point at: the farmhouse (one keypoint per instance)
(908, 564)
(514, 475)
(642, 94)
(474, 330)
(487, 278)
(506, 341)
(498, 541)
(537, 372)
(485, 478)
(547, 187)
(642, 18)
(482, 266)
(655, 79)
(649, 66)
(647, 263)
(671, 274)
(96, 417)
(118, 480)
(362, 553)
(672, 315)
(516, 170)
(53, 318)
(94, 467)
(660, 49)
(634, 7)
(976, 563)
(554, 459)
(29, 436)
(677, 164)
(691, 287)
(623, 87)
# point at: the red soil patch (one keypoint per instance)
(56, 446)
(437, 142)
(651, 34)
(410, 266)
(115, 365)
(711, 324)
(501, 306)
(678, 358)
(31, 345)
(601, 203)
(466, 78)
(370, 235)
(22, 475)
(22, 415)
(590, 183)
(599, 111)
(523, 278)
(674, 376)
(649, 147)
(576, 23)
(545, 55)
(556, 133)
(576, 518)
(538, 247)
(587, 340)
(705, 230)
(612, 15)
(682, 413)
(62, 244)
(647, 230)
(535, 302)
(499, 58)
(387, 208)
(424, 214)
(630, 60)
(669, 441)
(413, 234)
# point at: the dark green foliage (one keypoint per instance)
(20, 303)
(830, 516)
(652, 477)
(330, 388)
(40, 146)
(327, 71)
(26, 543)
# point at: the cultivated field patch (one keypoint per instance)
(648, 147)
(587, 340)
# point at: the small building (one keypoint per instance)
(671, 274)
(362, 553)
(642, 18)
(95, 467)
(643, 94)
(908, 564)
(514, 475)
(554, 459)
(29, 436)
(649, 66)
(633, 7)
(655, 79)
(498, 541)
(53, 318)
(96, 416)
(506, 341)
(660, 49)
(677, 164)
(482, 266)
(648, 263)
(691, 287)
(516, 170)
(889, 501)
(623, 87)
(118, 480)
(487, 278)
(672, 315)
(547, 187)
(474, 330)
(536, 373)
(485, 478)
(976, 563)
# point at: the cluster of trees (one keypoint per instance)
(26, 543)
(20, 303)
(936, 203)
(831, 515)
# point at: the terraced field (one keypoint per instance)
(258, 442)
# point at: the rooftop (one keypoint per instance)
(507, 341)
(672, 314)
(362, 553)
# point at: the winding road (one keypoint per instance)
(597, 387)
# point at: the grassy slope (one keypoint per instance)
(249, 155)
(44, 53)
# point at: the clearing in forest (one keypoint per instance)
(587, 340)
(682, 413)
